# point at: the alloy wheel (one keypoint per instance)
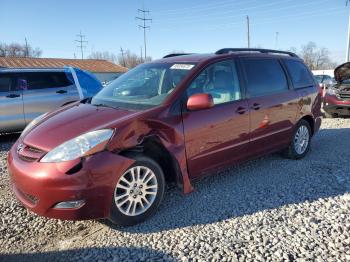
(136, 191)
(301, 139)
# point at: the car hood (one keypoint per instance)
(63, 125)
(342, 72)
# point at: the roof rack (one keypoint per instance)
(176, 54)
(259, 50)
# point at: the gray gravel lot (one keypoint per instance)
(270, 209)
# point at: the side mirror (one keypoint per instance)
(200, 101)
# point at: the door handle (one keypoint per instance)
(61, 91)
(255, 106)
(241, 110)
(12, 96)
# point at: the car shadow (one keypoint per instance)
(267, 183)
(92, 254)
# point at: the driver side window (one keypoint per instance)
(220, 80)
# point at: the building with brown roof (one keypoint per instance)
(102, 69)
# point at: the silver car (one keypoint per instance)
(27, 93)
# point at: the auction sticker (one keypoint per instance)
(182, 66)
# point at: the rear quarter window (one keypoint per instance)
(299, 74)
(264, 76)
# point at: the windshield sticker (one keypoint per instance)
(182, 66)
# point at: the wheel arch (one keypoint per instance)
(153, 148)
(311, 121)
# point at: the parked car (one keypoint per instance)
(28, 93)
(326, 80)
(337, 97)
(110, 156)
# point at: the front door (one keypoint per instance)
(273, 105)
(219, 135)
(11, 105)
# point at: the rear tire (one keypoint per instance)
(300, 144)
(138, 192)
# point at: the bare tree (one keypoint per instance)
(315, 57)
(130, 60)
(109, 56)
(19, 50)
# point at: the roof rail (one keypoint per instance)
(176, 54)
(259, 50)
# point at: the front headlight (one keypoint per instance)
(83, 145)
(32, 123)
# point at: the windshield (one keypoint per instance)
(143, 87)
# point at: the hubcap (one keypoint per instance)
(136, 191)
(301, 139)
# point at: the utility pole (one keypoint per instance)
(122, 52)
(81, 42)
(347, 58)
(141, 55)
(144, 25)
(27, 48)
(276, 40)
(248, 31)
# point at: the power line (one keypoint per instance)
(144, 25)
(81, 42)
(226, 25)
(202, 7)
(227, 13)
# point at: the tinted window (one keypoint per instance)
(220, 80)
(43, 80)
(299, 73)
(5, 83)
(264, 76)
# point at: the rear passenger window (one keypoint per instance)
(5, 83)
(42, 80)
(300, 75)
(264, 77)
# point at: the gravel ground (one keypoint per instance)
(270, 209)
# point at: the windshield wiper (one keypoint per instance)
(104, 105)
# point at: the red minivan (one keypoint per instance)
(174, 119)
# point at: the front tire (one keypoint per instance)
(138, 192)
(300, 144)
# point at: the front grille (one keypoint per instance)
(344, 96)
(29, 153)
(35, 150)
(28, 159)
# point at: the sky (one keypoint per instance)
(196, 26)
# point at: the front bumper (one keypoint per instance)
(334, 106)
(40, 186)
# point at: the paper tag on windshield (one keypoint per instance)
(182, 66)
